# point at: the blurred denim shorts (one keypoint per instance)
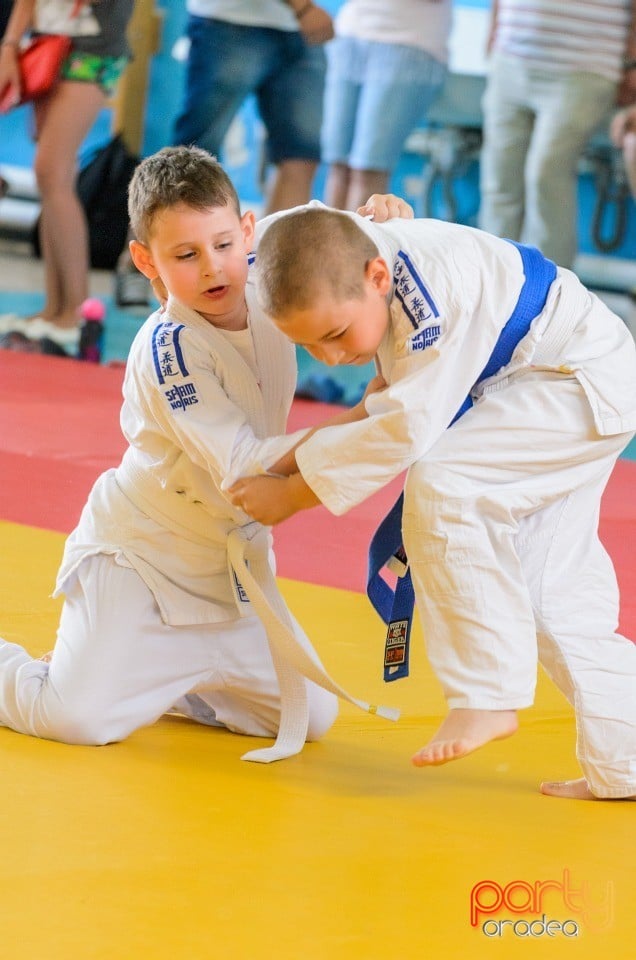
(376, 93)
(228, 62)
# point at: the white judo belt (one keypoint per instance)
(248, 556)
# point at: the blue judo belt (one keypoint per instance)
(396, 607)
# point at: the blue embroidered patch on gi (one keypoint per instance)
(166, 351)
(251, 259)
(425, 338)
(412, 293)
(169, 363)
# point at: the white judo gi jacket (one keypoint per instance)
(463, 285)
(194, 415)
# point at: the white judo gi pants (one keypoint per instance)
(117, 666)
(500, 525)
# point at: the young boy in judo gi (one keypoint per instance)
(501, 509)
(155, 616)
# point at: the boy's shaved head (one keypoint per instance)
(307, 254)
(177, 175)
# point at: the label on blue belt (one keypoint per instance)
(396, 650)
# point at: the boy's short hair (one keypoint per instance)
(307, 254)
(174, 175)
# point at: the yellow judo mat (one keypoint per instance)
(168, 846)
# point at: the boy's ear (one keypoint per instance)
(142, 258)
(379, 275)
(248, 223)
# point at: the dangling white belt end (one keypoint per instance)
(389, 713)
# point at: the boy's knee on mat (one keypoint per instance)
(81, 724)
(323, 711)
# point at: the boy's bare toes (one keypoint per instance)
(569, 789)
(573, 790)
(441, 751)
(462, 731)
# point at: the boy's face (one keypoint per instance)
(201, 257)
(339, 332)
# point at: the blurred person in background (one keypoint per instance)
(273, 50)
(556, 70)
(63, 117)
(386, 66)
(623, 134)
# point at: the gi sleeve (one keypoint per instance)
(474, 287)
(214, 414)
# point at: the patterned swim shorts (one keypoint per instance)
(91, 68)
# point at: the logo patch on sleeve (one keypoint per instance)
(170, 366)
(181, 395)
(411, 291)
(425, 338)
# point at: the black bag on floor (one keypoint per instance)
(102, 187)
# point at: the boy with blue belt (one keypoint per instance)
(511, 392)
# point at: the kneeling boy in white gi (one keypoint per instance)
(154, 616)
(500, 510)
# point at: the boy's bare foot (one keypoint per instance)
(573, 790)
(463, 731)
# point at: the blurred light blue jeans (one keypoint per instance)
(536, 125)
(375, 95)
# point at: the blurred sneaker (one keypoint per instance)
(37, 329)
(10, 322)
(66, 337)
(17, 342)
